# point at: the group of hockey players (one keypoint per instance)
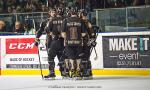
(67, 37)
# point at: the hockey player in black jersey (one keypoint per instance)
(73, 31)
(57, 44)
(43, 29)
(55, 47)
(86, 63)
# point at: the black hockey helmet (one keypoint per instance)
(67, 11)
(52, 12)
(84, 12)
(73, 10)
(52, 9)
(60, 11)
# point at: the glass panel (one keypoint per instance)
(124, 19)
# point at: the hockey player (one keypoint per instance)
(86, 63)
(73, 30)
(43, 29)
(56, 47)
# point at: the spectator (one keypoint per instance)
(2, 26)
(29, 30)
(61, 4)
(69, 3)
(10, 3)
(147, 2)
(9, 10)
(13, 9)
(1, 2)
(52, 3)
(128, 2)
(1, 6)
(97, 4)
(31, 6)
(119, 3)
(22, 3)
(18, 28)
(138, 2)
(19, 9)
(1, 10)
(42, 1)
(29, 27)
(28, 7)
(44, 8)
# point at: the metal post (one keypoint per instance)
(127, 18)
(97, 18)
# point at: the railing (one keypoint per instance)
(110, 20)
(123, 19)
(34, 19)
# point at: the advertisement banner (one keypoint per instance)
(129, 51)
(20, 46)
(20, 53)
(0, 56)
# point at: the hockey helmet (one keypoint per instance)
(73, 10)
(60, 11)
(84, 12)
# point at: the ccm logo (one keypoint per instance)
(21, 46)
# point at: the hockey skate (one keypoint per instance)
(66, 76)
(87, 75)
(73, 74)
(50, 77)
(78, 75)
(88, 78)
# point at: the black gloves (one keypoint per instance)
(36, 41)
(92, 42)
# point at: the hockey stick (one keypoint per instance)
(96, 31)
(95, 58)
(40, 60)
(40, 63)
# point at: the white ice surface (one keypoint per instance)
(98, 83)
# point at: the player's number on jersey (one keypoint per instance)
(73, 33)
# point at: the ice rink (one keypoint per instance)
(98, 83)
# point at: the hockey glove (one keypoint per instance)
(36, 41)
(92, 42)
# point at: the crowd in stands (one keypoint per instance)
(18, 6)
(117, 3)
(19, 28)
(17, 23)
(13, 6)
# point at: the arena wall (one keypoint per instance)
(124, 53)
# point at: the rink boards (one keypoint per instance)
(125, 53)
